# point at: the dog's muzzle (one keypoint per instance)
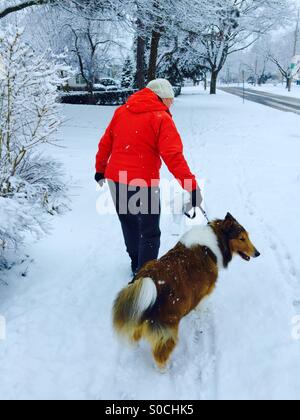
(256, 254)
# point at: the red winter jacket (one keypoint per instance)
(141, 133)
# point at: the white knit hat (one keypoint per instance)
(162, 88)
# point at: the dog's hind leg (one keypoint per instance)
(164, 345)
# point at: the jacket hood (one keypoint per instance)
(145, 101)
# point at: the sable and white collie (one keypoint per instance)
(167, 290)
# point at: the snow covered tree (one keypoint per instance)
(127, 80)
(195, 70)
(179, 62)
(90, 42)
(167, 19)
(139, 21)
(170, 63)
(270, 56)
(280, 52)
(154, 21)
(235, 26)
(91, 45)
(169, 69)
(29, 112)
(160, 17)
(9, 7)
(30, 116)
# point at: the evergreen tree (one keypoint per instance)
(169, 68)
(127, 80)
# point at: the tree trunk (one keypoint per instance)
(153, 55)
(213, 84)
(140, 61)
(90, 86)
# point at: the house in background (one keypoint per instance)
(77, 81)
(113, 70)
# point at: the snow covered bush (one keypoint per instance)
(112, 98)
(30, 184)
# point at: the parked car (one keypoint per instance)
(109, 84)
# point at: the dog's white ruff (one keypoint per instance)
(147, 296)
(204, 236)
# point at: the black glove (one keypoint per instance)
(100, 178)
(196, 200)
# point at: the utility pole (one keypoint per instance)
(227, 76)
(244, 91)
(297, 33)
(256, 71)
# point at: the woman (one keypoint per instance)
(141, 133)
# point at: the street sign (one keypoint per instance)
(295, 65)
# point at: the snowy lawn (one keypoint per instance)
(60, 343)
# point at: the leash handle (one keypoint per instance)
(193, 216)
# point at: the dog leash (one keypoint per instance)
(205, 214)
(193, 216)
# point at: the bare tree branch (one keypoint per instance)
(23, 5)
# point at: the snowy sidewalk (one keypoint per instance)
(60, 344)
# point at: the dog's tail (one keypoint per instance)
(131, 304)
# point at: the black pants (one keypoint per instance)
(139, 213)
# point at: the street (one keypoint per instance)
(282, 103)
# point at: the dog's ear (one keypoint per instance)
(231, 227)
(229, 224)
(229, 218)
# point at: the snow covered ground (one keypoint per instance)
(60, 344)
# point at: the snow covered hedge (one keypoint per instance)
(102, 98)
(31, 185)
(177, 90)
(99, 98)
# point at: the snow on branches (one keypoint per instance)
(232, 26)
(30, 184)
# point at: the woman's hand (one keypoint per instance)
(196, 200)
(100, 179)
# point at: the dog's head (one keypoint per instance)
(238, 239)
